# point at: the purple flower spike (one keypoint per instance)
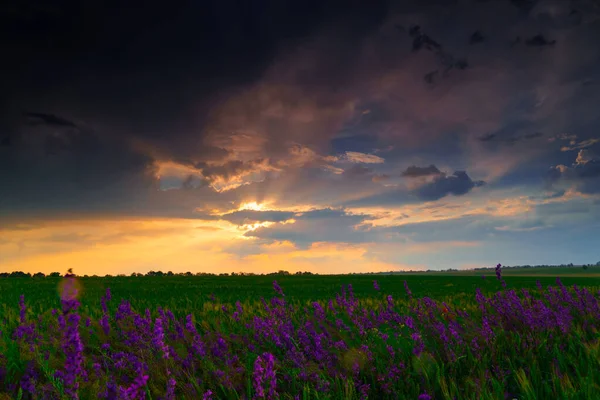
(73, 350)
(171, 383)
(408, 292)
(159, 338)
(376, 285)
(23, 309)
(278, 288)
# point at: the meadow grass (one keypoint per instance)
(452, 336)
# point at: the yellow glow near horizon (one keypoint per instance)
(115, 247)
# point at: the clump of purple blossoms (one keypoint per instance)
(264, 375)
(376, 285)
(135, 390)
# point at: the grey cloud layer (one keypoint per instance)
(359, 79)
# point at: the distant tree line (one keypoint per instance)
(20, 274)
(570, 265)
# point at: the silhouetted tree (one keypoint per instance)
(20, 274)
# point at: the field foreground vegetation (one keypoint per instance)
(455, 337)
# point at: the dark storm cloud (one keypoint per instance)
(439, 186)
(443, 185)
(229, 90)
(584, 177)
(71, 170)
(422, 41)
(511, 140)
(476, 37)
(539, 41)
(155, 72)
(146, 80)
(524, 5)
(49, 119)
(516, 132)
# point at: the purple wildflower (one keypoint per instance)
(104, 324)
(23, 309)
(486, 330)
(134, 391)
(363, 390)
(106, 298)
(73, 350)
(408, 292)
(278, 289)
(376, 285)
(189, 324)
(264, 374)
(539, 285)
(171, 383)
(159, 338)
(419, 345)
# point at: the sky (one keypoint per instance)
(315, 135)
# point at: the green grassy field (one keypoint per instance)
(190, 293)
(185, 337)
